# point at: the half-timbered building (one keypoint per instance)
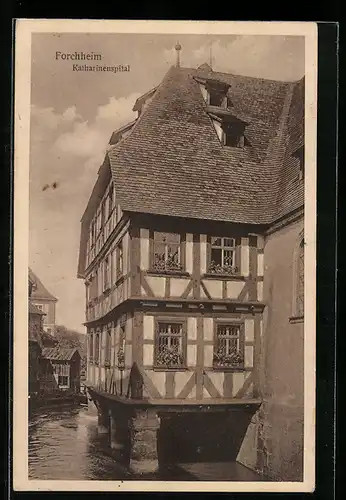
(192, 255)
(43, 300)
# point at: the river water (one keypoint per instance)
(64, 444)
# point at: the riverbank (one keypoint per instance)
(56, 399)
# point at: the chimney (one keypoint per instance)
(178, 49)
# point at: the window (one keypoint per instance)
(110, 200)
(103, 213)
(93, 287)
(97, 348)
(98, 222)
(113, 266)
(108, 348)
(91, 347)
(217, 93)
(88, 291)
(121, 349)
(169, 349)
(233, 135)
(120, 260)
(106, 274)
(39, 306)
(63, 381)
(92, 233)
(222, 256)
(228, 346)
(167, 252)
(300, 281)
(216, 98)
(95, 230)
(229, 103)
(96, 280)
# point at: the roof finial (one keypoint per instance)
(211, 55)
(178, 49)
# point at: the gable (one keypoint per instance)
(39, 291)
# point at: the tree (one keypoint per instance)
(71, 339)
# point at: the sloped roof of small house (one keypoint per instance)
(59, 353)
(49, 339)
(39, 291)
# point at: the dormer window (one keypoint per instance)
(216, 98)
(233, 135)
(215, 92)
(230, 130)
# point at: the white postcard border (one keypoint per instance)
(24, 29)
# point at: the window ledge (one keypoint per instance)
(170, 369)
(234, 148)
(296, 319)
(230, 369)
(152, 272)
(223, 276)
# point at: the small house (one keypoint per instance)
(65, 364)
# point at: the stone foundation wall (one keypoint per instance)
(274, 440)
(273, 444)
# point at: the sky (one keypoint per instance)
(73, 115)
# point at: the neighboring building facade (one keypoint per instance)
(193, 258)
(43, 300)
(65, 365)
(35, 347)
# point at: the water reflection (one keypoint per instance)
(64, 444)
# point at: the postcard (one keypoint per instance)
(164, 256)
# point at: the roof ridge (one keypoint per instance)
(282, 143)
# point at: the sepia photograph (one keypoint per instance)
(164, 255)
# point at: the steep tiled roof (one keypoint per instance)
(58, 353)
(39, 290)
(172, 162)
